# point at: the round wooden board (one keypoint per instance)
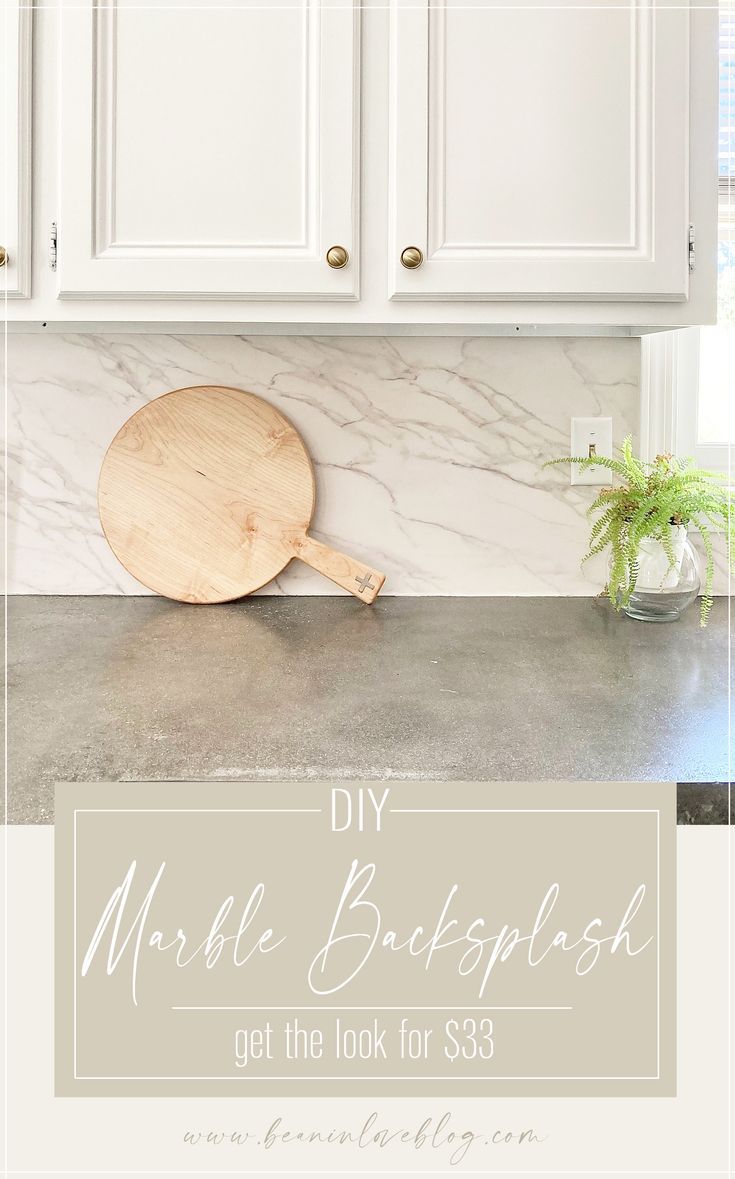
(204, 493)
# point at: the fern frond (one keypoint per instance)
(646, 499)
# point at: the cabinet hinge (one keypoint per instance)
(692, 244)
(53, 244)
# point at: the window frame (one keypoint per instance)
(670, 361)
(669, 401)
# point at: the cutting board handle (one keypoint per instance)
(360, 580)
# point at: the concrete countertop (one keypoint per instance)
(118, 689)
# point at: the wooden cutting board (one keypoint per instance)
(207, 493)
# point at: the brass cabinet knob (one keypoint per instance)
(411, 257)
(3, 255)
(337, 257)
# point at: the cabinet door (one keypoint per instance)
(208, 152)
(540, 153)
(15, 191)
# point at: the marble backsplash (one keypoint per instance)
(428, 451)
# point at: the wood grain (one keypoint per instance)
(363, 582)
(206, 494)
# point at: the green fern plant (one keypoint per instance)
(643, 502)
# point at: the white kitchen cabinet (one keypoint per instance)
(545, 160)
(15, 191)
(208, 152)
(540, 153)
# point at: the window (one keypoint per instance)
(710, 424)
(703, 395)
(690, 374)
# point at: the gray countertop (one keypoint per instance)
(120, 689)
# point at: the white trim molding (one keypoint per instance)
(659, 359)
(670, 374)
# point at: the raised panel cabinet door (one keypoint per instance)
(542, 152)
(15, 190)
(208, 152)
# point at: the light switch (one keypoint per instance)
(591, 436)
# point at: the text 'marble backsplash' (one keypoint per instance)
(428, 451)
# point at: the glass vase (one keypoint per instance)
(663, 592)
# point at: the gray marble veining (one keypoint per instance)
(428, 451)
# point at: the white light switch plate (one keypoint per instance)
(588, 432)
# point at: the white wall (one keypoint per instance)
(428, 451)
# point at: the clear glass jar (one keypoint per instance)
(662, 592)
